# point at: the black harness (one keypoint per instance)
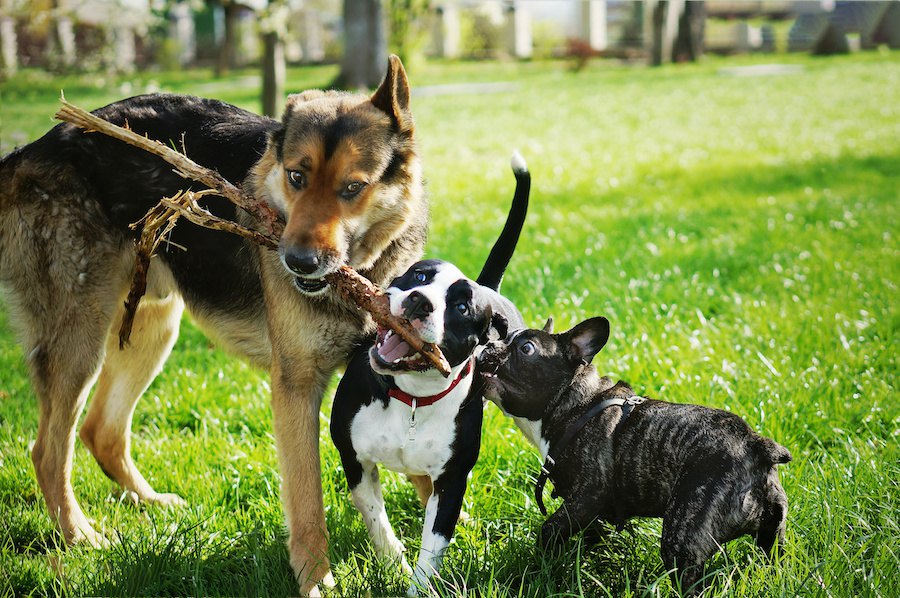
(627, 406)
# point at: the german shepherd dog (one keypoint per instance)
(343, 171)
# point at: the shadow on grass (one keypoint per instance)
(188, 561)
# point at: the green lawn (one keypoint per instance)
(740, 233)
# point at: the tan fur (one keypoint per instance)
(124, 377)
(64, 276)
(423, 485)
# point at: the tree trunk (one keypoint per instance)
(61, 41)
(365, 45)
(691, 27)
(658, 14)
(225, 60)
(9, 55)
(273, 74)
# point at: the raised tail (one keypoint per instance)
(501, 253)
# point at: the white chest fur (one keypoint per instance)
(382, 434)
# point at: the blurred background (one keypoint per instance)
(116, 37)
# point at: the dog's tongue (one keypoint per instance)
(393, 348)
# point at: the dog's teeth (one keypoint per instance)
(412, 357)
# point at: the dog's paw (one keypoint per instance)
(165, 499)
(88, 536)
(464, 518)
(327, 583)
(404, 566)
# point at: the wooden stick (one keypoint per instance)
(360, 290)
(161, 219)
(185, 205)
(184, 166)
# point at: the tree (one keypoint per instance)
(365, 44)
(691, 29)
(676, 31)
(406, 30)
(274, 29)
(225, 56)
(9, 54)
(61, 40)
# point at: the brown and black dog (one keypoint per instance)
(341, 168)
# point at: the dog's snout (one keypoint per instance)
(489, 357)
(416, 305)
(301, 261)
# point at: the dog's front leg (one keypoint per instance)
(297, 389)
(441, 514)
(567, 520)
(369, 501)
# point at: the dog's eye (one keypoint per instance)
(462, 308)
(420, 276)
(352, 190)
(527, 348)
(296, 179)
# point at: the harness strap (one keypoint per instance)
(627, 406)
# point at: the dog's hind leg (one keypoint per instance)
(774, 515)
(125, 375)
(62, 275)
(64, 347)
(691, 534)
(62, 381)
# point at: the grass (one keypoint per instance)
(739, 233)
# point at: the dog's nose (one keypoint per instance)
(489, 357)
(301, 261)
(416, 305)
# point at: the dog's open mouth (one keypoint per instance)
(393, 353)
(310, 286)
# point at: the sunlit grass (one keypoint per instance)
(739, 233)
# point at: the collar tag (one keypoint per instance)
(412, 420)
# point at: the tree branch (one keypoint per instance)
(184, 166)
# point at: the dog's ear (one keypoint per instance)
(304, 96)
(276, 141)
(392, 96)
(501, 325)
(548, 326)
(586, 339)
(488, 323)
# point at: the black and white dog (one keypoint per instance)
(392, 408)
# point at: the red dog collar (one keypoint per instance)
(408, 399)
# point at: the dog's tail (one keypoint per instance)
(501, 253)
(772, 452)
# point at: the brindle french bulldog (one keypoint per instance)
(613, 455)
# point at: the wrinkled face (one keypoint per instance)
(443, 306)
(343, 172)
(525, 372)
